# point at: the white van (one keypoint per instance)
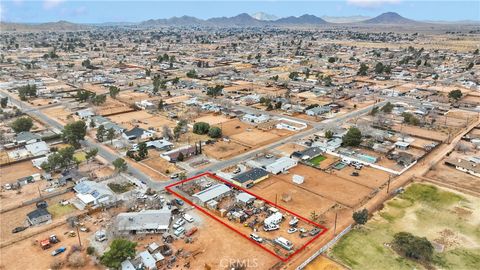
(179, 231)
(188, 218)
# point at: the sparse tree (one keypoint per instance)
(361, 217)
(120, 250)
(100, 133)
(74, 132)
(120, 165)
(22, 124)
(111, 135)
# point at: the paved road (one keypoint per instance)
(104, 153)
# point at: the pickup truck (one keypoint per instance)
(58, 251)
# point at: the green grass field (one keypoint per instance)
(443, 217)
(57, 210)
(316, 160)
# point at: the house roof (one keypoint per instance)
(144, 220)
(136, 132)
(462, 163)
(212, 192)
(27, 136)
(309, 152)
(37, 148)
(38, 213)
(245, 197)
(251, 175)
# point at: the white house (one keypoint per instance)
(292, 125)
(255, 118)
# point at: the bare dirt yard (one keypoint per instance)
(223, 150)
(329, 186)
(451, 176)
(143, 119)
(420, 132)
(15, 171)
(289, 148)
(213, 119)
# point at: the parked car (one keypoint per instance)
(269, 156)
(179, 231)
(293, 222)
(180, 222)
(271, 228)
(314, 231)
(292, 230)
(179, 202)
(188, 218)
(256, 238)
(58, 251)
(19, 229)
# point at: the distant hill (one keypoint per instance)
(50, 26)
(242, 19)
(180, 21)
(390, 18)
(304, 19)
(262, 16)
(346, 19)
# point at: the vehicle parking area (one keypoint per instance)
(274, 228)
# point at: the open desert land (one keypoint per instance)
(112, 107)
(213, 119)
(160, 164)
(288, 148)
(130, 97)
(60, 113)
(447, 218)
(421, 132)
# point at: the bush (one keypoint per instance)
(76, 260)
(120, 249)
(414, 247)
(22, 124)
(361, 217)
(201, 128)
(90, 250)
(215, 132)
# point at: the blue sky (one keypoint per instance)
(89, 11)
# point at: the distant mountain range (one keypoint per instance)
(258, 19)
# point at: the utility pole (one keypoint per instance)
(388, 183)
(78, 235)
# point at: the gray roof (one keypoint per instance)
(27, 136)
(212, 192)
(38, 213)
(253, 174)
(144, 220)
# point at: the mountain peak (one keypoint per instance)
(262, 16)
(390, 18)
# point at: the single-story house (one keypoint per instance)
(282, 164)
(144, 222)
(39, 216)
(38, 148)
(137, 133)
(172, 155)
(465, 166)
(157, 144)
(94, 194)
(308, 153)
(289, 124)
(85, 113)
(26, 137)
(256, 118)
(250, 178)
(319, 110)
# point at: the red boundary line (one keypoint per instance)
(209, 174)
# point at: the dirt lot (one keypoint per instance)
(223, 150)
(289, 148)
(303, 201)
(161, 165)
(451, 176)
(31, 251)
(213, 119)
(15, 171)
(328, 186)
(369, 176)
(143, 119)
(111, 106)
(17, 217)
(255, 137)
(422, 132)
(60, 113)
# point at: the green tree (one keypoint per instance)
(201, 128)
(99, 99)
(215, 132)
(328, 134)
(293, 75)
(410, 119)
(120, 165)
(111, 135)
(362, 71)
(113, 91)
(100, 133)
(360, 217)
(84, 95)
(22, 124)
(379, 68)
(374, 110)
(60, 160)
(120, 250)
(192, 74)
(414, 247)
(387, 108)
(331, 59)
(352, 138)
(455, 94)
(177, 131)
(142, 150)
(215, 91)
(74, 132)
(4, 102)
(90, 154)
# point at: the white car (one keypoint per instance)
(292, 230)
(179, 231)
(178, 223)
(188, 218)
(256, 238)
